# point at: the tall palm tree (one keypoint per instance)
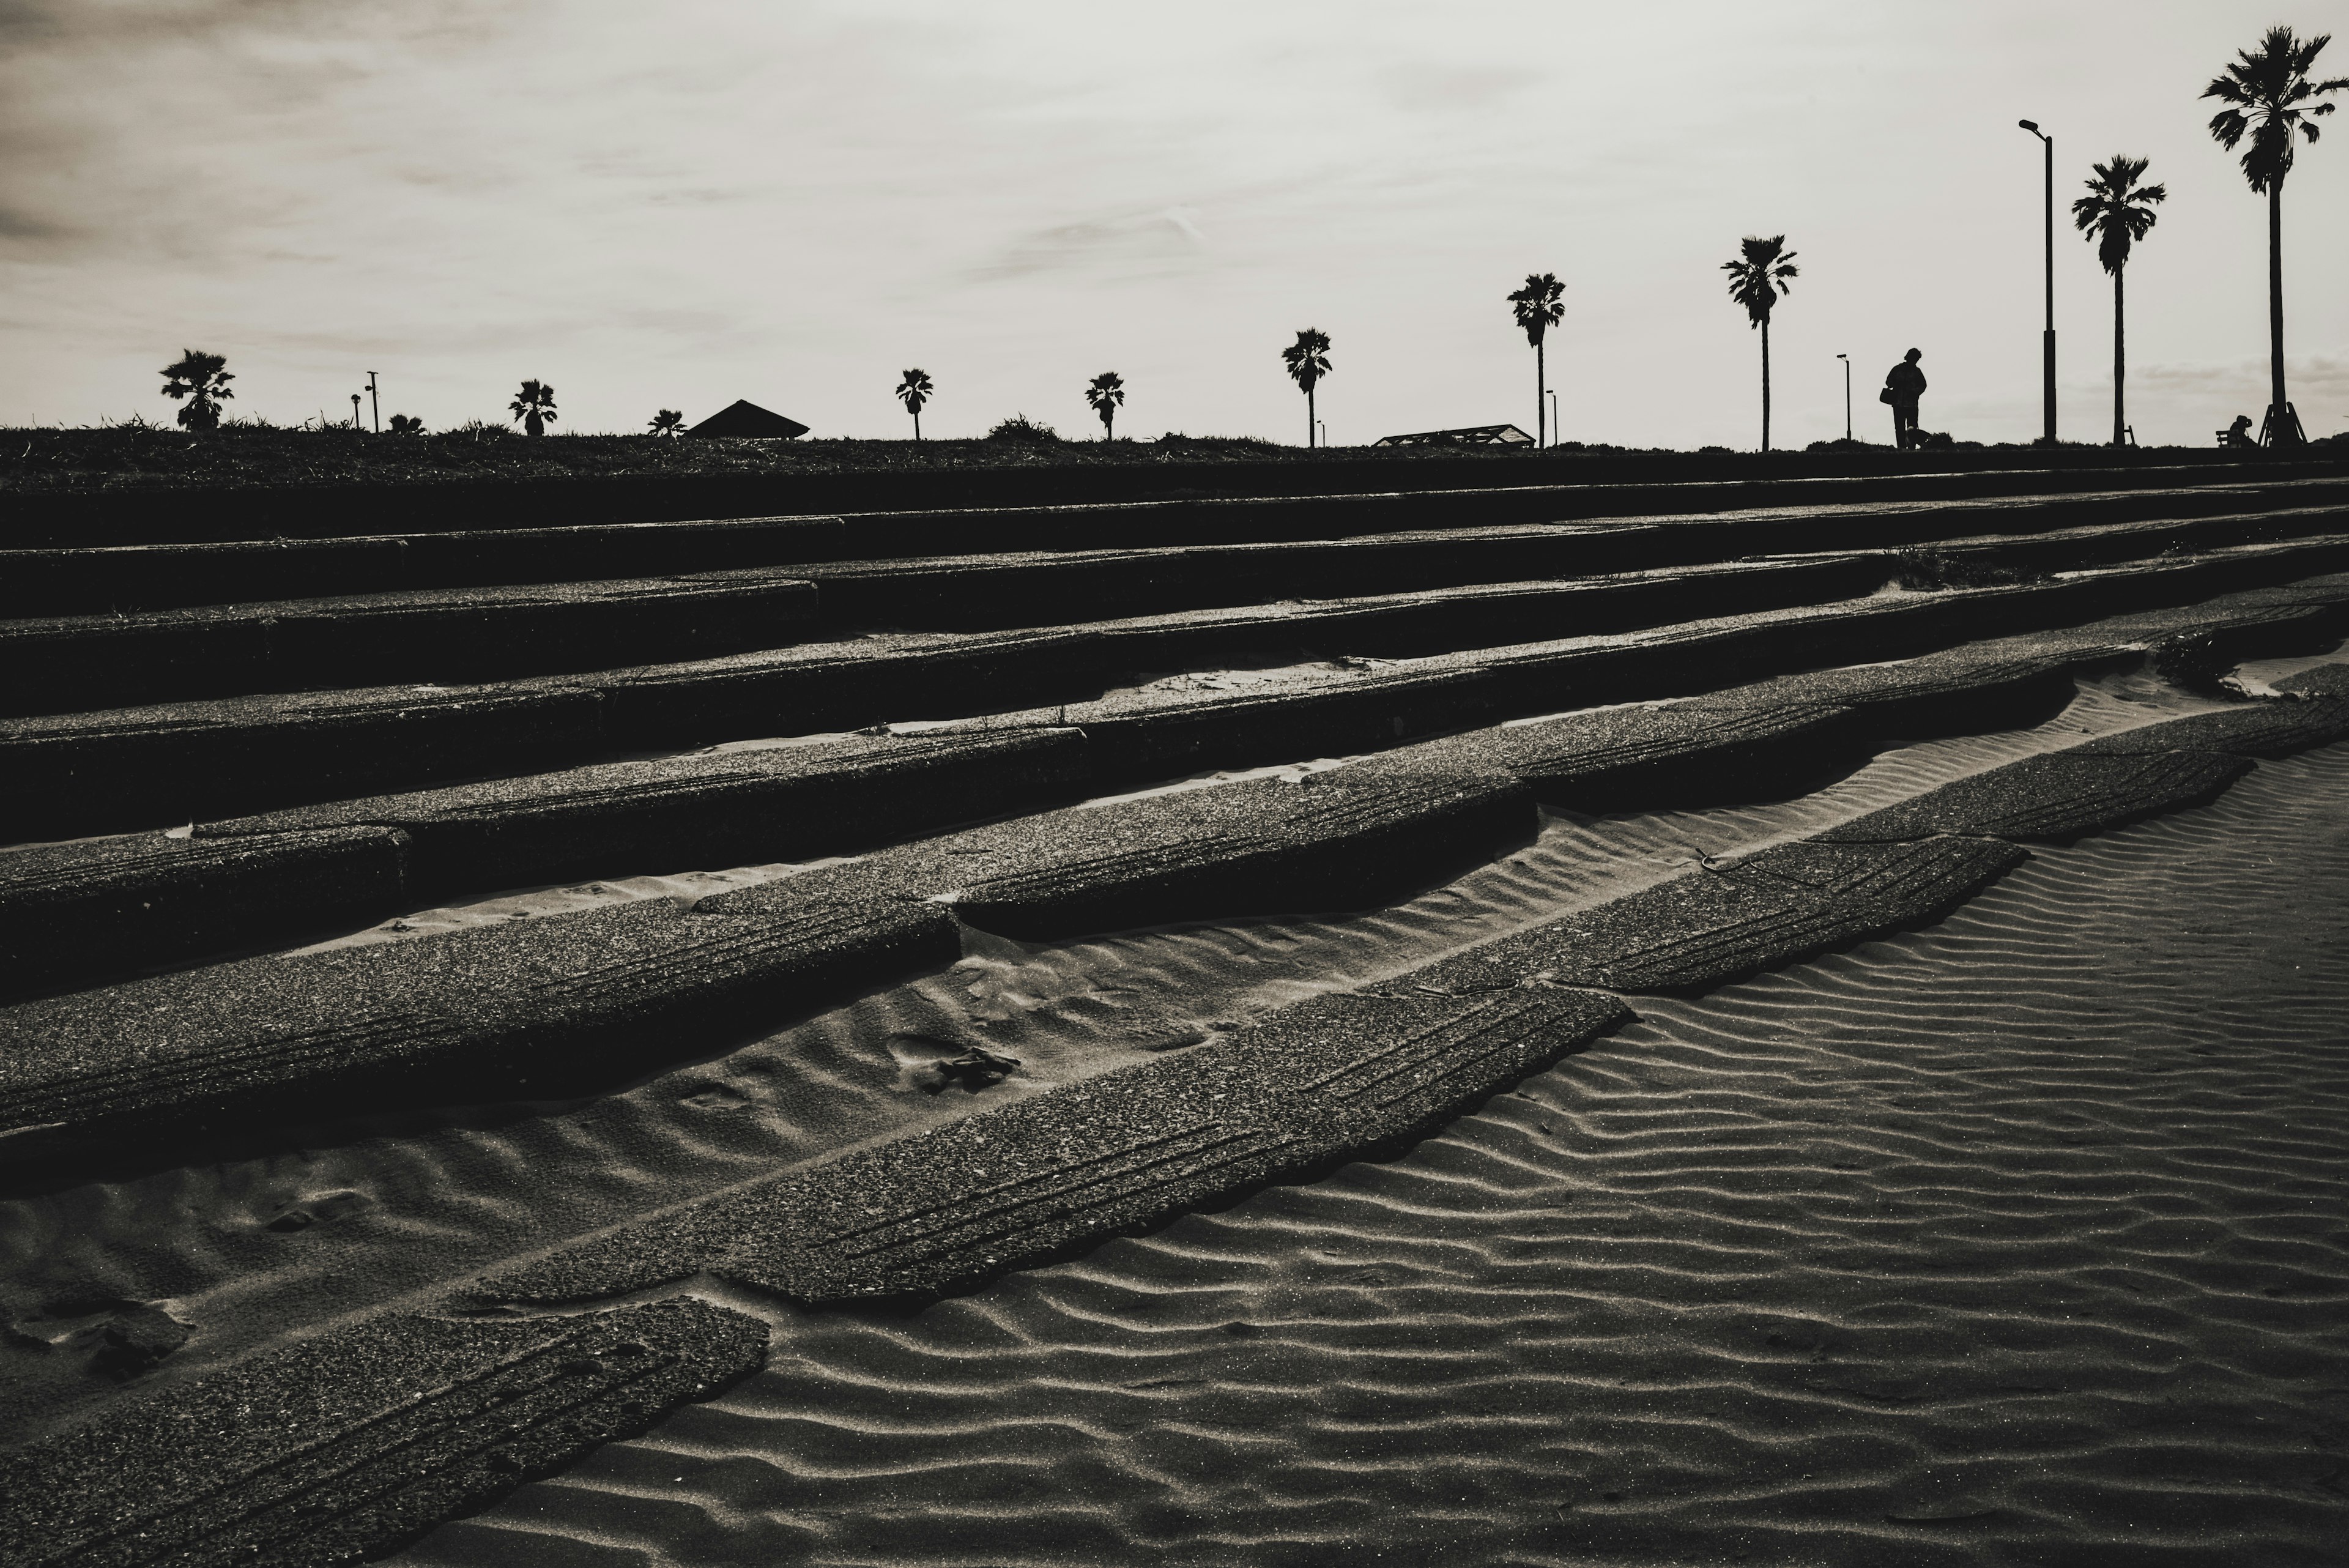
(667, 422)
(913, 389)
(1105, 392)
(203, 379)
(534, 406)
(2269, 95)
(2116, 212)
(1539, 308)
(1756, 278)
(1308, 359)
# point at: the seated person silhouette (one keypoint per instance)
(2239, 433)
(1903, 384)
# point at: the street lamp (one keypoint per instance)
(375, 404)
(1846, 395)
(1323, 425)
(355, 410)
(1553, 418)
(2047, 349)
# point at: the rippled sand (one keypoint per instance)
(2022, 1240)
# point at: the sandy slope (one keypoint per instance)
(2019, 1240)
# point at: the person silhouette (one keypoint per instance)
(1903, 384)
(2239, 432)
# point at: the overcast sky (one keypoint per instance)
(682, 204)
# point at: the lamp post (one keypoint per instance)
(355, 410)
(2047, 340)
(375, 404)
(1323, 426)
(1846, 395)
(1553, 419)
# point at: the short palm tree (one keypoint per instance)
(667, 422)
(2116, 212)
(1308, 359)
(534, 406)
(913, 391)
(2269, 95)
(406, 424)
(202, 380)
(1756, 278)
(1105, 392)
(1539, 307)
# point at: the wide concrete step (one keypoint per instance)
(1318, 545)
(79, 774)
(444, 636)
(564, 1002)
(467, 636)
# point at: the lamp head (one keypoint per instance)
(2030, 125)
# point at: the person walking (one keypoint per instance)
(1903, 384)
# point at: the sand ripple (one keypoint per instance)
(2018, 1240)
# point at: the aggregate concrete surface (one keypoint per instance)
(347, 1445)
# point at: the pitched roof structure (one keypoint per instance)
(744, 418)
(1470, 435)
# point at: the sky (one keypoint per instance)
(675, 205)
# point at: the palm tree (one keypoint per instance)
(1105, 392)
(2268, 95)
(913, 390)
(404, 424)
(1308, 359)
(1539, 308)
(203, 379)
(534, 406)
(2115, 212)
(667, 422)
(1756, 279)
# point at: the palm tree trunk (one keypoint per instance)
(1765, 383)
(2120, 356)
(1541, 398)
(1309, 424)
(2275, 307)
(917, 424)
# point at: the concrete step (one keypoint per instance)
(115, 771)
(559, 1000)
(80, 913)
(444, 636)
(1306, 545)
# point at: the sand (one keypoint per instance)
(2017, 1239)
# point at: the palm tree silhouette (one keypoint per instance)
(404, 424)
(203, 379)
(667, 422)
(1105, 392)
(2268, 95)
(913, 390)
(1539, 308)
(2115, 212)
(1308, 359)
(1756, 279)
(534, 406)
